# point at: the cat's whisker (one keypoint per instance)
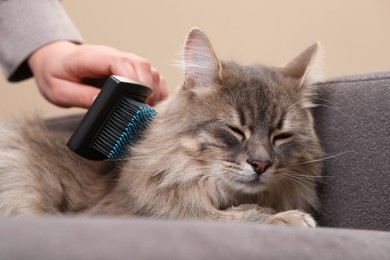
(310, 100)
(330, 105)
(337, 109)
(303, 176)
(320, 159)
(297, 103)
(296, 107)
(310, 104)
(297, 175)
(327, 101)
(294, 112)
(291, 178)
(288, 181)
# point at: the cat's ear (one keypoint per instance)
(306, 67)
(201, 65)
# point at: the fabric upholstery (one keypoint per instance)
(353, 122)
(117, 238)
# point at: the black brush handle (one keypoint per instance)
(104, 105)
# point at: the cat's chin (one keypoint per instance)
(250, 186)
(249, 182)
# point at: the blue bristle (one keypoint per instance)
(136, 126)
(124, 128)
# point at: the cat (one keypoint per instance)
(234, 143)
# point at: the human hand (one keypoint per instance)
(60, 67)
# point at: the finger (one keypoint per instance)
(92, 61)
(155, 97)
(123, 68)
(143, 70)
(163, 88)
(70, 94)
(97, 61)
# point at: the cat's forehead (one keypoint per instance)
(256, 78)
(257, 93)
(254, 84)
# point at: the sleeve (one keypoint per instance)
(25, 26)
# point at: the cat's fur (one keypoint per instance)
(198, 159)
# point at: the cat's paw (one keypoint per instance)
(293, 218)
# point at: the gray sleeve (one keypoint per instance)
(26, 25)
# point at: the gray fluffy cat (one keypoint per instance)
(234, 143)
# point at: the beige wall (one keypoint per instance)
(354, 33)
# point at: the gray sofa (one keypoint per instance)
(353, 122)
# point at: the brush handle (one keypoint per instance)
(114, 89)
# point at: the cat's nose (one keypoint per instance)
(259, 166)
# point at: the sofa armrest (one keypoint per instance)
(353, 123)
(127, 238)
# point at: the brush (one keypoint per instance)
(115, 121)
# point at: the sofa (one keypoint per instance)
(353, 123)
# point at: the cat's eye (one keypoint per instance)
(282, 137)
(237, 132)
